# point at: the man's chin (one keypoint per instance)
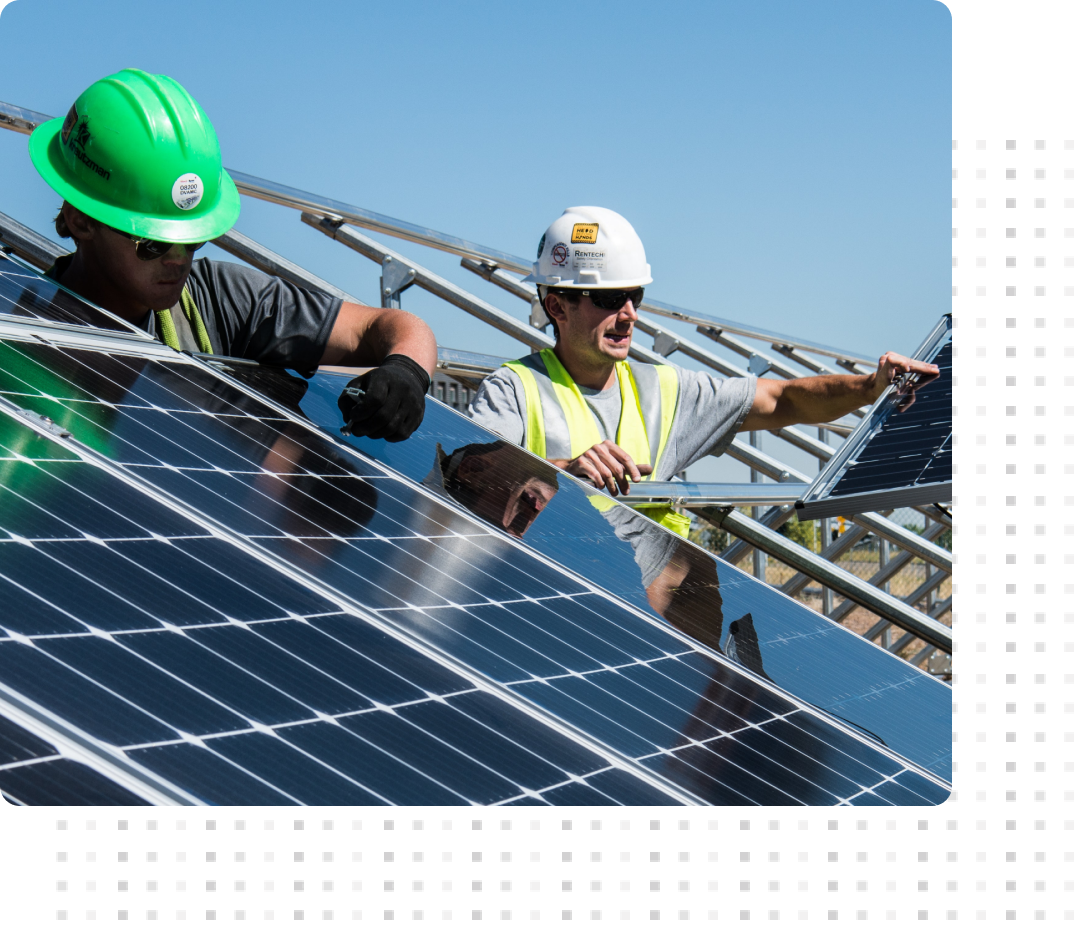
(616, 353)
(164, 299)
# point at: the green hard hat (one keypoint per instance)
(137, 153)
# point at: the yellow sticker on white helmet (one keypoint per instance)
(585, 233)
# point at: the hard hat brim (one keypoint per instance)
(204, 224)
(532, 278)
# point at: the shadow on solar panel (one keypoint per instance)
(212, 599)
(901, 453)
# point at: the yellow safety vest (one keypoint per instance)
(560, 425)
(168, 329)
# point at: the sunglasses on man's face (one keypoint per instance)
(612, 299)
(147, 249)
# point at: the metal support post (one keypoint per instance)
(754, 476)
(826, 537)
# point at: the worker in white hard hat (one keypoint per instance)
(587, 409)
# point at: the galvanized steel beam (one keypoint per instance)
(843, 582)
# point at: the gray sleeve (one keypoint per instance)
(499, 406)
(654, 546)
(710, 411)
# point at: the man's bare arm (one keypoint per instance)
(365, 336)
(819, 398)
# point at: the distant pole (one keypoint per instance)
(826, 535)
(754, 476)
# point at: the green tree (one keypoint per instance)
(804, 533)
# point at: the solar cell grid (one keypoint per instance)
(447, 580)
(24, 294)
(903, 450)
(171, 659)
(802, 652)
(895, 457)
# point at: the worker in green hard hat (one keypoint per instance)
(138, 165)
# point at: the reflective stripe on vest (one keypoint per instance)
(168, 329)
(560, 425)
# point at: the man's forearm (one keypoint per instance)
(366, 336)
(396, 332)
(820, 398)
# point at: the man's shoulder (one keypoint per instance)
(210, 275)
(502, 377)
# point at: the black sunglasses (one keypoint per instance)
(147, 249)
(611, 299)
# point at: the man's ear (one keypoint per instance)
(81, 225)
(555, 308)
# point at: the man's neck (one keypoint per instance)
(596, 375)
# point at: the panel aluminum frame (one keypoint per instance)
(818, 502)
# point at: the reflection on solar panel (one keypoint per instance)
(901, 453)
(224, 603)
(25, 294)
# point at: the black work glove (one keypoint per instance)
(392, 400)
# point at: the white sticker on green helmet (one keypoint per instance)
(187, 191)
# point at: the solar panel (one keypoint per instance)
(901, 453)
(26, 294)
(802, 652)
(263, 615)
(34, 772)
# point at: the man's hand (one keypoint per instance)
(607, 466)
(393, 402)
(909, 374)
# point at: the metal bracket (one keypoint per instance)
(758, 365)
(42, 424)
(539, 320)
(395, 277)
(664, 343)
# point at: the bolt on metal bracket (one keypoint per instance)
(395, 277)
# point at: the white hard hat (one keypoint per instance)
(590, 247)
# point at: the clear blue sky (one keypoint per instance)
(786, 162)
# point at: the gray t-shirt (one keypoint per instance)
(710, 410)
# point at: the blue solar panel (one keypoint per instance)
(901, 453)
(289, 620)
(618, 550)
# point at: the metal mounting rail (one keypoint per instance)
(713, 494)
(443, 288)
(27, 244)
(455, 362)
(843, 582)
(906, 539)
(264, 259)
(23, 121)
(742, 329)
